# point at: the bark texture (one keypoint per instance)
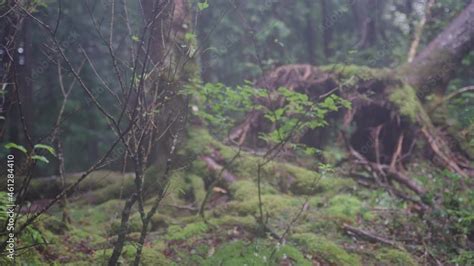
(435, 66)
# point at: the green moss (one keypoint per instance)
(243, 189)
(387, 256)
(160, 221)
(237, 253)
(320, 225)
(198, 142)
(255, 253)
(176, 232)
(95, 219)
(53, 224)
(405, 98)
(78, 235)
(178, 188)
(248, 222)
(29, 256)
(150, 256)
(325, 249)
(276, 206)
(344, 207)
(308, 182)
(199, 191)
(361, 72)
(120, 187)
(104, 212)
(246, 166)
(134, 225)
(305, 181)
(288, 252)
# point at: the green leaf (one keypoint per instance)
(203, 5)
(46, 147)
(135, 38)
(40, 158)
(12, 145)
(190, 37)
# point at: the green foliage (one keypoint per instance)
(45, 147)
(453, 219)
(465, 257)
(220, 105)
(299, 113)
(40, 158)
(15, 146)
(37, 147)
(203, 5)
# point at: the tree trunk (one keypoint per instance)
(435, 66)
(365, 17)
(310, 33)
(326, 31)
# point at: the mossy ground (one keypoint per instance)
(231, 236)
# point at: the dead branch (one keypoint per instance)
(370, 236)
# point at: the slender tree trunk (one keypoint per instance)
(123, 230)
(326, 31)
(310, 33)
(365, 12)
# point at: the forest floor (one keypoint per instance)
(326, 218)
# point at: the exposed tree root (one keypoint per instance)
(383, 140)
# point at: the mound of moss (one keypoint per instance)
(255, 253)
(325, 249)
(395, 257)
(176, 232)
(150, 256)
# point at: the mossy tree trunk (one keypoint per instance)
(434, 67)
